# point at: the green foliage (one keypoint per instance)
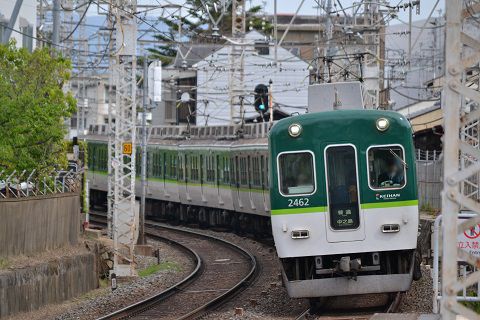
(197, 26)
(33, 107)
(4, 263)
(164, 266)
(475, 306)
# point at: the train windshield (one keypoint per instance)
(342, 187)
(386, 167)
(296, 173)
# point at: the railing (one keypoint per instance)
(427, 155)
(26, 184)
(429, 179)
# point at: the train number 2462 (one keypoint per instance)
(299, 202)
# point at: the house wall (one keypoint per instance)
(290, 82)
(427, 120)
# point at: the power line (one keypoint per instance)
(79, 22)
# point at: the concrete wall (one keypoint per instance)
(36, 224)
(29, 288)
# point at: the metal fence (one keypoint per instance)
(26, 184)
(429, 179)
(470, 294)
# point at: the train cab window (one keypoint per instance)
(296, 173)
(386, 167)
(341, 165)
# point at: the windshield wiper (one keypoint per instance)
(401, 160)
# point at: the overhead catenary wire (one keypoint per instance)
(79, 21)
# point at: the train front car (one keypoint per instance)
(344, 202)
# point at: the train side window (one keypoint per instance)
(386, 167)
(296, 173)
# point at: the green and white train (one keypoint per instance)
(344, 202)
(336, 189)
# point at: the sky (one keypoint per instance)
(309, 6)
(290, 6)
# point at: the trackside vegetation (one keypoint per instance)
(33, 109)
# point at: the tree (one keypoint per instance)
(33, 107)
(197, 26)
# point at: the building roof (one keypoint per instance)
(193, 53)
(420, 108)
(423, 115)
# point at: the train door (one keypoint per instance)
(344, 216)
(249, 180)
(237, 181)
(164, 157)
(219, 172)
(187, 176)
(264, 182)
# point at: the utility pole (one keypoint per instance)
(56, 23)
(409, 34)
(111, 130)
(275, 30)
(125, 221)
(141, 227)
(237, 62)
(270, 102)
(327, 52)
(12, 20)
(460, 155)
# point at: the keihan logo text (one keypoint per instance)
(388, 196)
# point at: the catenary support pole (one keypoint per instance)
(141, 226)
(56, 23)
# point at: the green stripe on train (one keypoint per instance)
(392, 204)
(364, 206)
(299, 210)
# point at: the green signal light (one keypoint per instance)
(261, 107)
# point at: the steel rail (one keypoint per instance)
(148, 303)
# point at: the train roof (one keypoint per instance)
(356, 126)
(189, 134)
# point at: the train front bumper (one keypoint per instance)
(341, 286)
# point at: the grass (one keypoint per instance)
(4, 263)
(475, 306)
(164, 266)
(428, 209)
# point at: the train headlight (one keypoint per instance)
(382, 124)
(294, 130)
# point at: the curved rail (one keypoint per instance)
(151, 302)
(244, 282)
(303, 315)
(391, 306)
(147, 303)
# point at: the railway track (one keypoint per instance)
(222, 270)
(391, 306)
